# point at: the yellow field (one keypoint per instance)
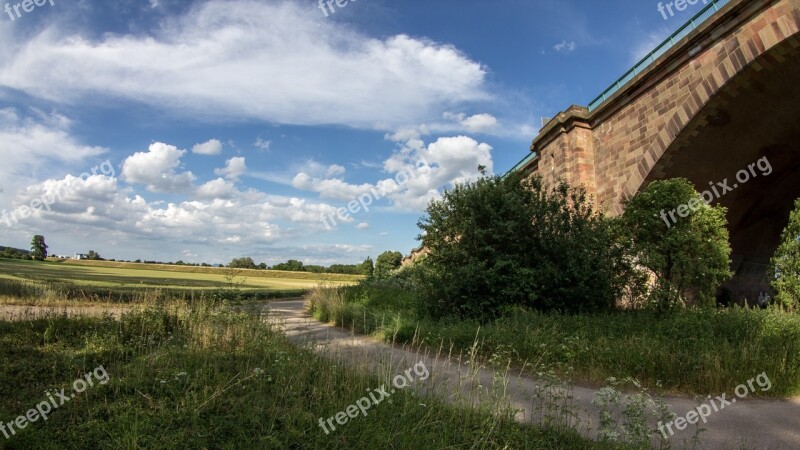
(131, 275)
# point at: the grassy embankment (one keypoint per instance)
(198, 377)
(689, 351)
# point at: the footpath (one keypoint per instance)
(743, 423)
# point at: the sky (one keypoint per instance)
(207, 130)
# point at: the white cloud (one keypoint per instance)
(335, 170)
(362, 226)
(331, 188)
(218, 188)
(479, 123)
(36, 147)
(407, 134)
(263, 145)
(455, 123)
(234, 168)
(99, 206)
(280, 62)
(418, 173)
(212, 147)
(565, 47)
(156, 169)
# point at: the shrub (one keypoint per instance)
(689, 258)
(786, 263)
(386, 263)
(507, 241)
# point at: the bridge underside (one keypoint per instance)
(755, 116)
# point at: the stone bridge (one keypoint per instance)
(719, 95)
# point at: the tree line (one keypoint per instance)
(382, 267)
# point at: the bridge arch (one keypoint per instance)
(744, 144)
(718, 100)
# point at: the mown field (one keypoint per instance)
(102, 274)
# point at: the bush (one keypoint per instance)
(786, 264)
(689, 259)
(508, 241)
(386, 263)
(242, 263)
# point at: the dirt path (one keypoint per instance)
(754, 424)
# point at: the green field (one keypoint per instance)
(96, 276)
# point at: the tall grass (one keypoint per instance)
(694, 351)
(196, 376)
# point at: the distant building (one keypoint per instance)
(80, 256)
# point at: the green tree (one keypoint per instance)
(786, 263)
(686, 251)
(94, 256)
(242, 263)
(366, 268)
(292, 265)
(503, 241)
(38, 248)
(386, 263)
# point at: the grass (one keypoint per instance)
(59, 293)
(196, 376)
(101, 275)
(696, 351)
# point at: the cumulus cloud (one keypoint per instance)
(362, 226)
(418, 173)
(280, 62)
(447, 161)
(234, 168)
(212, 147)
(218, 188)
(478, 123)
(99, 204)
(455, 123)
(330, 188)
(335, 170)
(155, 169)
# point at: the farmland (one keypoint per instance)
(131, 275)
(57, 281)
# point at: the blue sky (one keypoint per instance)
(220, 129)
